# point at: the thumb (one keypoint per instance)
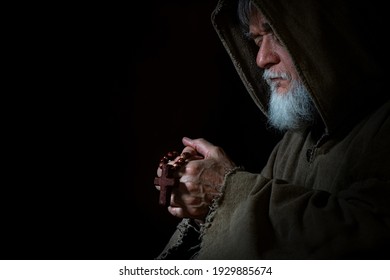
(187, 142)
(200, 145)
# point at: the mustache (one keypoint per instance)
(268, 75)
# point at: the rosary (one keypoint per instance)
(167, 181)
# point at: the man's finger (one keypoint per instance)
(200, 145)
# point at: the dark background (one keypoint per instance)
(99, 93)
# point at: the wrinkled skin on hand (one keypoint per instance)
(201, 179)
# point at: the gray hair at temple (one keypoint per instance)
(244, 9)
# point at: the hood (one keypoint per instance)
(337, 47)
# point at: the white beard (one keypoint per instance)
(292, 110)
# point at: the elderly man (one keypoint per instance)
(315, 68)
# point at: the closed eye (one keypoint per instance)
(257, 36)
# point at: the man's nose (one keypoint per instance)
(267, 55)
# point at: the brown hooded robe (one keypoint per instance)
(325, 192)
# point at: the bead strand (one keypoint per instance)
(173, 155)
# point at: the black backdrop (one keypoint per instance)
(102, 92)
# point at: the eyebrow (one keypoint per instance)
(266, 28)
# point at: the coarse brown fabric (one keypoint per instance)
(325, 192)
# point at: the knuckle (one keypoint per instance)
(192, 187)
(192, 168)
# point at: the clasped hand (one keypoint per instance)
(201, 179)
